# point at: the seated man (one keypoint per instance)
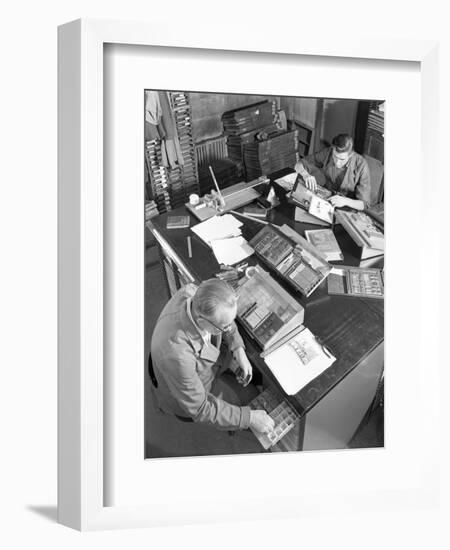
(187, 359)
(341, 170)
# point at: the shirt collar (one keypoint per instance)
(203, 333)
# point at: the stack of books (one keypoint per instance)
(272, 154)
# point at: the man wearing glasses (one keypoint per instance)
(190, 362)
(341, 170)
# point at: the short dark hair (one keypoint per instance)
(343, 143)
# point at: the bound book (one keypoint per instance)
(363, 231)
(356, 281)
(325, 241)
(176, 222)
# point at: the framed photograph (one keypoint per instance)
(112, 472)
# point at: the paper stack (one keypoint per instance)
(218, 227)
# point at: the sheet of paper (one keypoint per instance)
(298, 361)
(321, 209)
(304, 217)
(218, 227)
(231, 251)
(287, 182)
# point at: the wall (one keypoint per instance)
(207, 110)
(301, 109)
(339, 116)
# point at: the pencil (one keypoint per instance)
(189, 247)
(249, 217)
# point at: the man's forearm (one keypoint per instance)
(300, 168)
(357, 204)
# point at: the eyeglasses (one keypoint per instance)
(226, 328)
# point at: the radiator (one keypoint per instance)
(211, 149)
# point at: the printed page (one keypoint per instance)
(298, 361)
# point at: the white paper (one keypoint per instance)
(218, 227)
(231, 251)
(287, 182)
(304, 217)
(294, 369)
(321, 209)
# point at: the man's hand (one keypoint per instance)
(338, 202)
(310, 182)
(245, 373)
(261, 422)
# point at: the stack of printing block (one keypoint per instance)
(151, 210)
(235, 143)
(248, 118)
(271, 154)
(183, 120)
(226, 171)
(171, 186)
(159, 175)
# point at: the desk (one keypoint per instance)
(332, 406)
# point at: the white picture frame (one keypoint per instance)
(81, 480)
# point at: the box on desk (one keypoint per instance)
(265, 309)
(291, 256)
(368, 238)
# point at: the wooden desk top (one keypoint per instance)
(350, 327)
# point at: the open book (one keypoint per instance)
(315, 203)
(297, 361)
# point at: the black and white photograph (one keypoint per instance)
(264, 273)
